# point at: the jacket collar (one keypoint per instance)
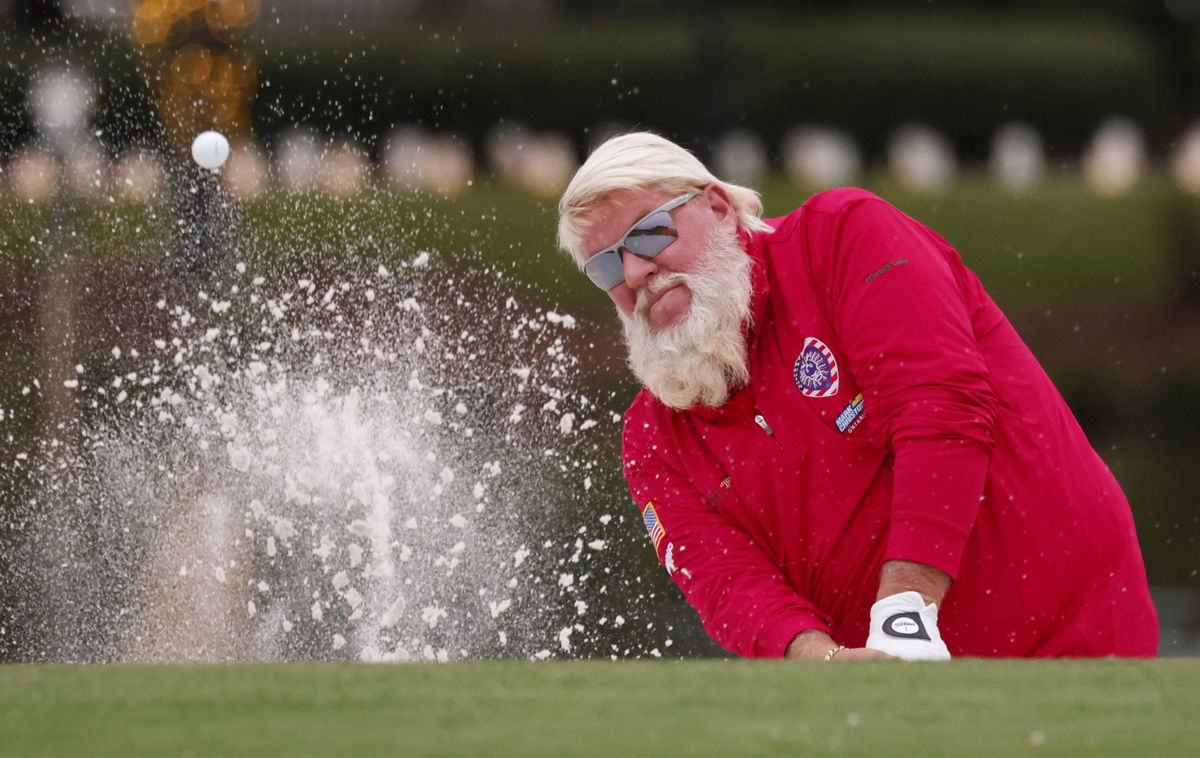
(760, 288)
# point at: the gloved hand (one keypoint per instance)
(904, 626)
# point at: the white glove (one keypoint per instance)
(903, 626)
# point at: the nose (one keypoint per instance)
(637, 269)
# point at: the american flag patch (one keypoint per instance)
(653, 527)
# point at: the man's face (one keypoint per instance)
(683, 310)
(646, 289)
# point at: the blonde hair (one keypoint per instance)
(642, 159)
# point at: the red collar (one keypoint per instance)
(760, 288)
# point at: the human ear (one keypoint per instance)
(719, 202)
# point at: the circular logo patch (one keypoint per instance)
(904, 625)
(816, 372)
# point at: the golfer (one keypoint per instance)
(841, 448)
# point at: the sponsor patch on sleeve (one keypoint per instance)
(850, 417)
(653, 526)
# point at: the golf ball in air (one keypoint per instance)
(210, 150)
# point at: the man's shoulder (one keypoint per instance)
(645, 430)
(826, 204)
(645, 412)
(835, 201)
(651, 423)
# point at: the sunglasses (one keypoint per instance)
(647, 238)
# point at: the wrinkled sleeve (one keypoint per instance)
(902, 309)
(742, 598)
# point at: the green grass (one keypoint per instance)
(719, 708)
(1063, 242)
(1059, 246)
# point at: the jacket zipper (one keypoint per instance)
(762, 422)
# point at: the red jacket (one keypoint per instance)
(899, 416)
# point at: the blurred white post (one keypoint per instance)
(740, 156)
(819, 157)
(921, 159)
(1116, 158)
(61, 100)
(1185, 162)
(1018, 158)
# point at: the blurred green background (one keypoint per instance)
(1103, 285)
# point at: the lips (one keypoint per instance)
(655, 291)
(665, 307)
(654, 297)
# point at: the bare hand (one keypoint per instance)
(815, 645)
(860, 654)
(812, 644)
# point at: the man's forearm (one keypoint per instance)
(902, 576)
(812, 644)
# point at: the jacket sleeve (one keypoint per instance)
(901, 306)
(742, 598)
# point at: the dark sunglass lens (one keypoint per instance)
(652, 235)
(605, 269)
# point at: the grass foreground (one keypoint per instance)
(594, 708)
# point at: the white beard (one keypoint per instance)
(700, 358)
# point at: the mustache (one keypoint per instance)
(641, 308)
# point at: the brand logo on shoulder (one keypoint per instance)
(884, 269)
(816, 371)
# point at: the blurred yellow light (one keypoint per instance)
(150, 23)
(193, 64)
(181, 29)
(230, 14)
(200, 83)
(147, 7)
(235, 71)
(149, 30)
(242, 68)
(174, 9)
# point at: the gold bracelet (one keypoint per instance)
(834, 651)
